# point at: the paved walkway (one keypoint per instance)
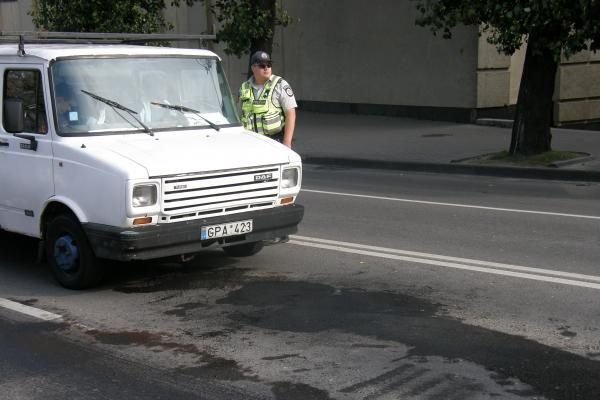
(431, 146)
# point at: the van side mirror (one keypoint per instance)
(14, 117)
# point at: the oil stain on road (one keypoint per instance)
(303, 307)
(420, 325)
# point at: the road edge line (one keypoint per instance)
(535, 277)
(28, 310)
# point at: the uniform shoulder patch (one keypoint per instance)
(288, 90)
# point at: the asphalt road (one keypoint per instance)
(397, 285)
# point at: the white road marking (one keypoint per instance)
(516, 271)
(436, 203)
(28, 310)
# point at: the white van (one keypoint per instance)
(129, 152)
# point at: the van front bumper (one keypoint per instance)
(163, 240)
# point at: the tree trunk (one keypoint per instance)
(533, 118)
(265, 43)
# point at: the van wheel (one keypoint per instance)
(243, 250)
(69, 254)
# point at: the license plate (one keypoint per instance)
(228, 229)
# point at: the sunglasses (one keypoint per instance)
(264, 66)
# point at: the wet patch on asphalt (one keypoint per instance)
(216, 368)
(282, 357)
(220, 369)
(565, 331)
(141, 338)
(213, 367)
(419, 382)
(214, 334)
(298, 391)
(436, 135)
(212, 271)
(310, 308)
(285, 306)
(181, 310)
(369, 346)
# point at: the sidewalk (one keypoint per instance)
(429, 146)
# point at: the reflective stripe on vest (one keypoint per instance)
(260, 115)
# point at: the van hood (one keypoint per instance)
(183, 152)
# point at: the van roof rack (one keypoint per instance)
(97, 38)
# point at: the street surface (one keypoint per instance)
(397, 286)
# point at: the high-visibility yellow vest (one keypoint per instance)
(260, 115)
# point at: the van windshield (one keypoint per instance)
(94, 96)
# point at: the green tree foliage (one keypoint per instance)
(143, 16)
(248, 25)
(551, 29)
(245, 26)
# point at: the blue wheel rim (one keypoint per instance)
(66, 253)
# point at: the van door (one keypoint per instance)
(26, 178)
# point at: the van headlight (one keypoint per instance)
(144, 196)
(289, 178)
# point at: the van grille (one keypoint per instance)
(225, 192)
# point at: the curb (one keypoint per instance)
(501, 123)
(556, 164)
(448, 168)
(579, 160)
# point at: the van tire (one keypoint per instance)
(243, 250)
(70, 255)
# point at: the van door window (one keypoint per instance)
(26, 85)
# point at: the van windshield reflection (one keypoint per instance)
(140, 94)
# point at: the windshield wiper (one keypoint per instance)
(184, 109)
(129, 111)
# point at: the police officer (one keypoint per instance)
(268, 102)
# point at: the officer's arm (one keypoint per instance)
(288, 128)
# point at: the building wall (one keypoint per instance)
(188, 20)
(577, 94)
(357, 56)
(498, 75)
(341, 53)
(353, 51)
(517, 61)
(14, 17)
(493, 76)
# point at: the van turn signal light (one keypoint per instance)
(286, 200)
(142, 221)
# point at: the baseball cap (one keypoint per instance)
(260, 57)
